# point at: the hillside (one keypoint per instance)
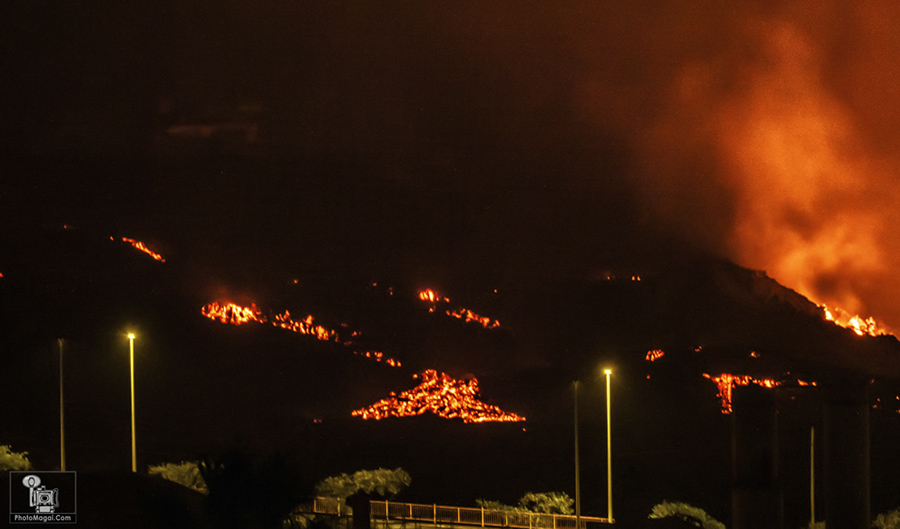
(206, 387)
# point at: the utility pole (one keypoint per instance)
(812, 476)
(577, 470)
(62, 428)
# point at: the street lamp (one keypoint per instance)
(608, 372)
(133, 442)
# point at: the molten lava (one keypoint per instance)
(432, 296)
(304, 326)
(727, 382)
(234, 314)
(442, 395)
(460, 313)
(857, 324)
(143, 247)
(654, 355)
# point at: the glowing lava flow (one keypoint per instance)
(461, 313)
(654, 355)
(727, 382)
(857, 324)
(441, 395)
(143, 247)
(234, 314)
(304, 326)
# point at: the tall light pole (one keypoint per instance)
(133, 441)
(608, 449)
(812, 476)
(577, 470)
(62, 429)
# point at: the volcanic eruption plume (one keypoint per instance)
(783, 158)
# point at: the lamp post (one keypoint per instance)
(133, 441)
(812, 476)
(62, 430)
(608, 372)
(577, 469)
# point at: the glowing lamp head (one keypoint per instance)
(608, 371)
(131, 336)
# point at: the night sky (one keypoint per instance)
(471, 145)
(502, 138)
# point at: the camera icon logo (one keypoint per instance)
(43, 500)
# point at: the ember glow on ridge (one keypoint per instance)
(861, 326)
(234, 314)
(143, 247)
(460, 313)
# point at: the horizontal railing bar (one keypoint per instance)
(449, 515)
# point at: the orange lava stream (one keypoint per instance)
(727, 382)
(441, 395)
(234, 314)
(142, 247)
(432, 296)
(861, 326)
(461, 313)
(654, 355)
(305, 326)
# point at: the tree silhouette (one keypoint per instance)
(249, 494)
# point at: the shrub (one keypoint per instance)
(687, 513)
(547, 502)
(887, 520)
(494, 505)
(186, 473)
(381, 482)
(10, 460)
(247, 491)
(537, 502)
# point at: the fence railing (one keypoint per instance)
(446, 515)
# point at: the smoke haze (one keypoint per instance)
(773, 147)
(515, 134)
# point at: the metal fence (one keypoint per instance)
(446, 515)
